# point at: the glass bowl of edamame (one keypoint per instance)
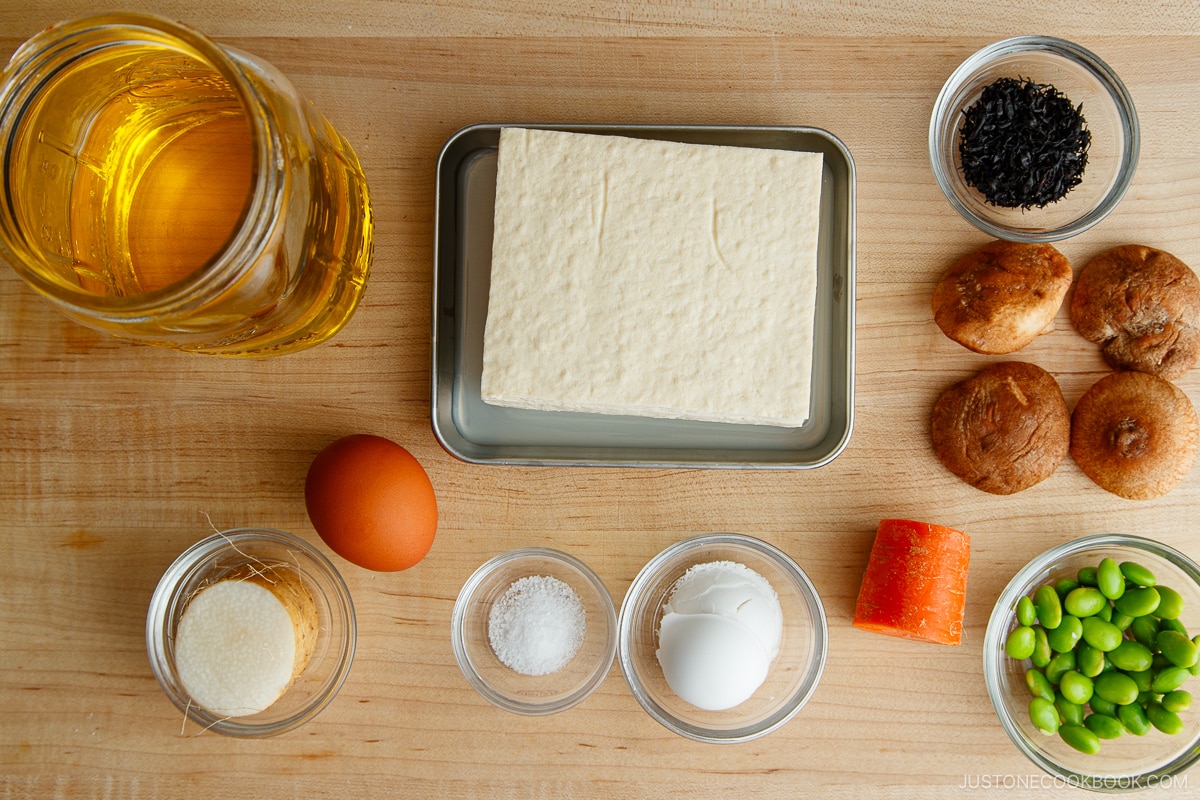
(1091, 657)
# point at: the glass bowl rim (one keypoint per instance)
(459, 645)
(807, 592)
(1076, 54)
(993, 648)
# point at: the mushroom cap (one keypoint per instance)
(1002, 296)
(1004, 429)
(1134, 434)
(1142, 306)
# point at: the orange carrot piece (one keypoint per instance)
(915, 585)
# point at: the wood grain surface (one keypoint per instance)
(114, 457)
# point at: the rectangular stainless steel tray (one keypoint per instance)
(480, 433)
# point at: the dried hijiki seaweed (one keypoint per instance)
(1023, 144)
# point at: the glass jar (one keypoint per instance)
(162, 188)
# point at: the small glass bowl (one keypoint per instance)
(1126, 763)
(533, 695)
(793, 675)
(1082, 77)
(220, 554)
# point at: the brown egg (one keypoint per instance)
(371, 502)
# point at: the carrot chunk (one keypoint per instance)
(915, 585)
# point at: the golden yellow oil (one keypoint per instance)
(136, 168)
(188, 201)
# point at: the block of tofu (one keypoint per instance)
(652, 278)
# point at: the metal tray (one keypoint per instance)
(480, 433)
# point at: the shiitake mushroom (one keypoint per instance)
(1134, 434)
(1002, 296)
(1142, 306)
(1004, 429)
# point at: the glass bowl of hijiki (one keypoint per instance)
(534, 631)
(251, 632)
(1034, 139)
(1091, 662)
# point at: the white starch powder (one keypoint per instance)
(537, 625)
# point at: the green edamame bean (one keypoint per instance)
(1136, 574)
(1020, 643)
(1131, 656)
(1170, 603)
(1122, 621)
(1081, 738)
(1109, 579)
(1145, 629)
(1160, 662)
(1147, 697)
(1138, 602)
(1104, 636)
(1172, 625)
(1066, 635)
(1102, 706)
(1168, 680)
(1076, 687)
(1071, 713)
(1084, 601)
(1104, 726)
(1143, 679)
(1041, 648)
(1134, 718)
(1049, 607)
(1166, 721)
(1106, 612)
(1115, 687)
(1177, 701)
(1039, 685)
(1089, 660)
(1043, 715)
(1063, 587)
(1026, 613)
(1195, 670)
(1086, 576)
(1059, 665)
(1178, 649)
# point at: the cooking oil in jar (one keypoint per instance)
(167, 191)
(158, 185)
